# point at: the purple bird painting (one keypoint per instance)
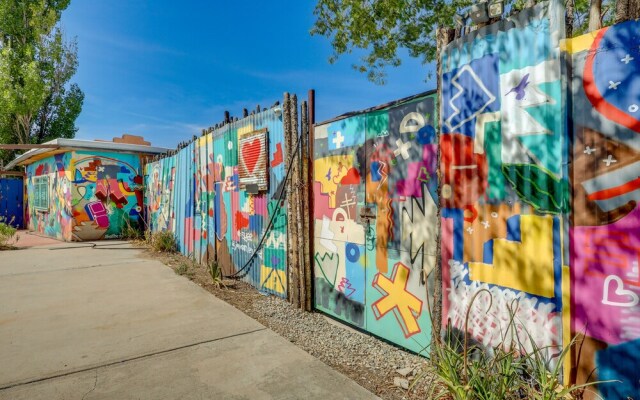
(519, 88)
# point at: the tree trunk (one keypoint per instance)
(595, 15)
(634, 9)
(627, 10)
(621, 10)
(570, 15)
(443, 37)
(23, 128)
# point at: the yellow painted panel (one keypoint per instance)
(578, 43)
(329, 171)
(566, 320)
(272, 279)
(526, 266)
(245, 129)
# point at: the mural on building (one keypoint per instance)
(107, 194)
(505, 186)
(605, 234)
(92, 195)
(197, 194)
(56, 220)
(375, 199)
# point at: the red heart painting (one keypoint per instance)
(251, 154)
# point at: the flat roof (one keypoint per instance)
(64, 145)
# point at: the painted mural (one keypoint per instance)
(57, 220)
(107, 194)
(375, 199)
(92, 195)
(197, 194)
(505, 188)
(605, 234)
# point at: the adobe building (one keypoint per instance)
(79, 190)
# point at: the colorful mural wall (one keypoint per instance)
(56, 221)
(375, 197)
(505, 189)
(92, 195)
(197, 194)
(605, 233)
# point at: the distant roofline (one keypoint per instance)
(78, 144)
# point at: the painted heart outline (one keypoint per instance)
(619, 291)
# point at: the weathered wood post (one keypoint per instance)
(306, 214)
(443, 37)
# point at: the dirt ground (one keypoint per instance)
(374, 364)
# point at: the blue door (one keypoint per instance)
(11, 202)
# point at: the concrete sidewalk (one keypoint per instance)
(102, 323)
(24, 239)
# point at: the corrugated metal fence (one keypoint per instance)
(196, 194)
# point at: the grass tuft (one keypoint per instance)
(164, 242)
(6, 234)
(216, 274)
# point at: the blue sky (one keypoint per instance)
(165, 69)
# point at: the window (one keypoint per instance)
(41, 193)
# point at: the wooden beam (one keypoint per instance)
(27, 146)
(12, 173)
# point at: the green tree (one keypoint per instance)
(37, 102)
(382, 28)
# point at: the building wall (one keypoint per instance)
(57, 221)
(505, 190)
(370, 271)
(93, 195)
(605, 234)
(200, 195)
(107, 194)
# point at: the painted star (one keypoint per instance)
(470, 230)
(588, 150)
(609, 160)
(614, 85)
(486, 224)
(627, 59)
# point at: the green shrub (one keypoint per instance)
(164, 242)
(216, 274)
(184, 269)
(6, 234)
(131, 230)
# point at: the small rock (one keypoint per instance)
(401, 382)
(405, 371)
